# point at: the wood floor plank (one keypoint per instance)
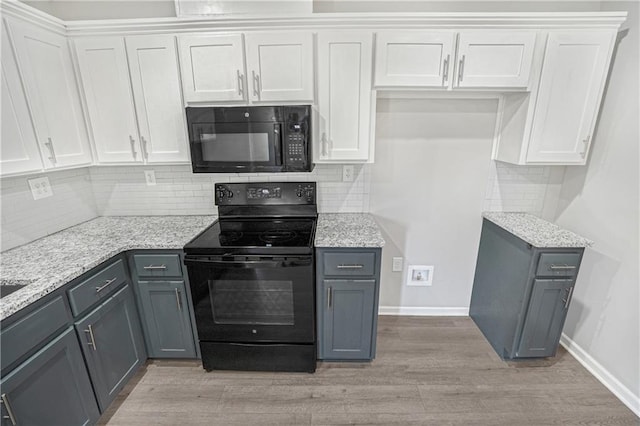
(428, 371)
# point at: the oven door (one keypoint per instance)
(236, 147)
(253, 299)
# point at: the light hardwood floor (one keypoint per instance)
(428, 371)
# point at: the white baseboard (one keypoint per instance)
(623, 393)
(426, 312)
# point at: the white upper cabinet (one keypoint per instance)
(49, 79)
(494, 58)
(279, 67)
(483, 59)
(19, 151)
(414, 58)
(213, 68)
(573, 77)
(345, 99)
(155, 78)
(105, 79)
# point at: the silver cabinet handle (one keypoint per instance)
(460, 69)
(569, 294)
(354, 266)
(106, 284)
(178, 300)
(256, 84)
(585, 143)
(329, 296)
(154, 267)
(11, 417)
(145, 152)
(133, 146)
(52, 152)
(240, 84)
(564, 267)
(92, 343)
(445, 69)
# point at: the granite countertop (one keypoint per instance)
(50, 262)
(536, 231)
(348, 230)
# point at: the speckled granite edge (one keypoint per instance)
(347, 230)
(51, 262)
(535, 231)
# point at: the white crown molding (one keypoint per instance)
(424, 311)
(24, 12)
(603, 375)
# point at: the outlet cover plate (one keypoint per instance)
(419, 275)
(150, 177)
(40, 188)
(347, 173)
(396, 266)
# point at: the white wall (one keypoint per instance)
(601, 202)
(25, 219)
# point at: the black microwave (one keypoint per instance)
(250, 139)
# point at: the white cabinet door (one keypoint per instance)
(155, 78)
(105, 80)
(344, 96)
(573, 76)
(414, 58)
(18, 144)
(495, 58)
(45, 65)
(280, 66)
(213, 68)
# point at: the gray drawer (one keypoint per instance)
(97, 287)
(39, 326)
(558, 264)
(349, 264)
(157, 265)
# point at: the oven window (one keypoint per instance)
(252, 302)
(235, 147)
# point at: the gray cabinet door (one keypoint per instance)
(166, 315)
(347, 319)
(50, 388)
(545, 318)
(113, 345)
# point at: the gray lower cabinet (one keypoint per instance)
(50, 388)
(113, 345)
(167, 319)
(521, 293)
(348, 283)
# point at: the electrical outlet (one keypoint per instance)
(420, 275)
(150, 177)
(397, 264)
(347, 173)
(40, 188)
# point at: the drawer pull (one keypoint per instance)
(154, 267)
(92, 343)
(106, 284)
(10, 416)
(569, 293)
(354, 266)
(564, 267)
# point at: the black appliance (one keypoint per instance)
(250, 139)
(252, 278)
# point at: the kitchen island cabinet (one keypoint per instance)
(524, 279)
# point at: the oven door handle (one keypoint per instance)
(247, 264)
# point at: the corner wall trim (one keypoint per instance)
(623, 393)
(424, 311)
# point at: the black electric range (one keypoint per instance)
(252, 278)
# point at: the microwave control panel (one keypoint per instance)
(296, 138)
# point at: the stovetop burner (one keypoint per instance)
(270, 237)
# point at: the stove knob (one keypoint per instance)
(299, 193)
(230, 194)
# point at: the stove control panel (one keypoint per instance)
(265, 193)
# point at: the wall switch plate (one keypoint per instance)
(347, 173)
(420, 275)
(150, 177)
(397, 264)
(40, 187)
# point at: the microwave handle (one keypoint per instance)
(277, 143)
